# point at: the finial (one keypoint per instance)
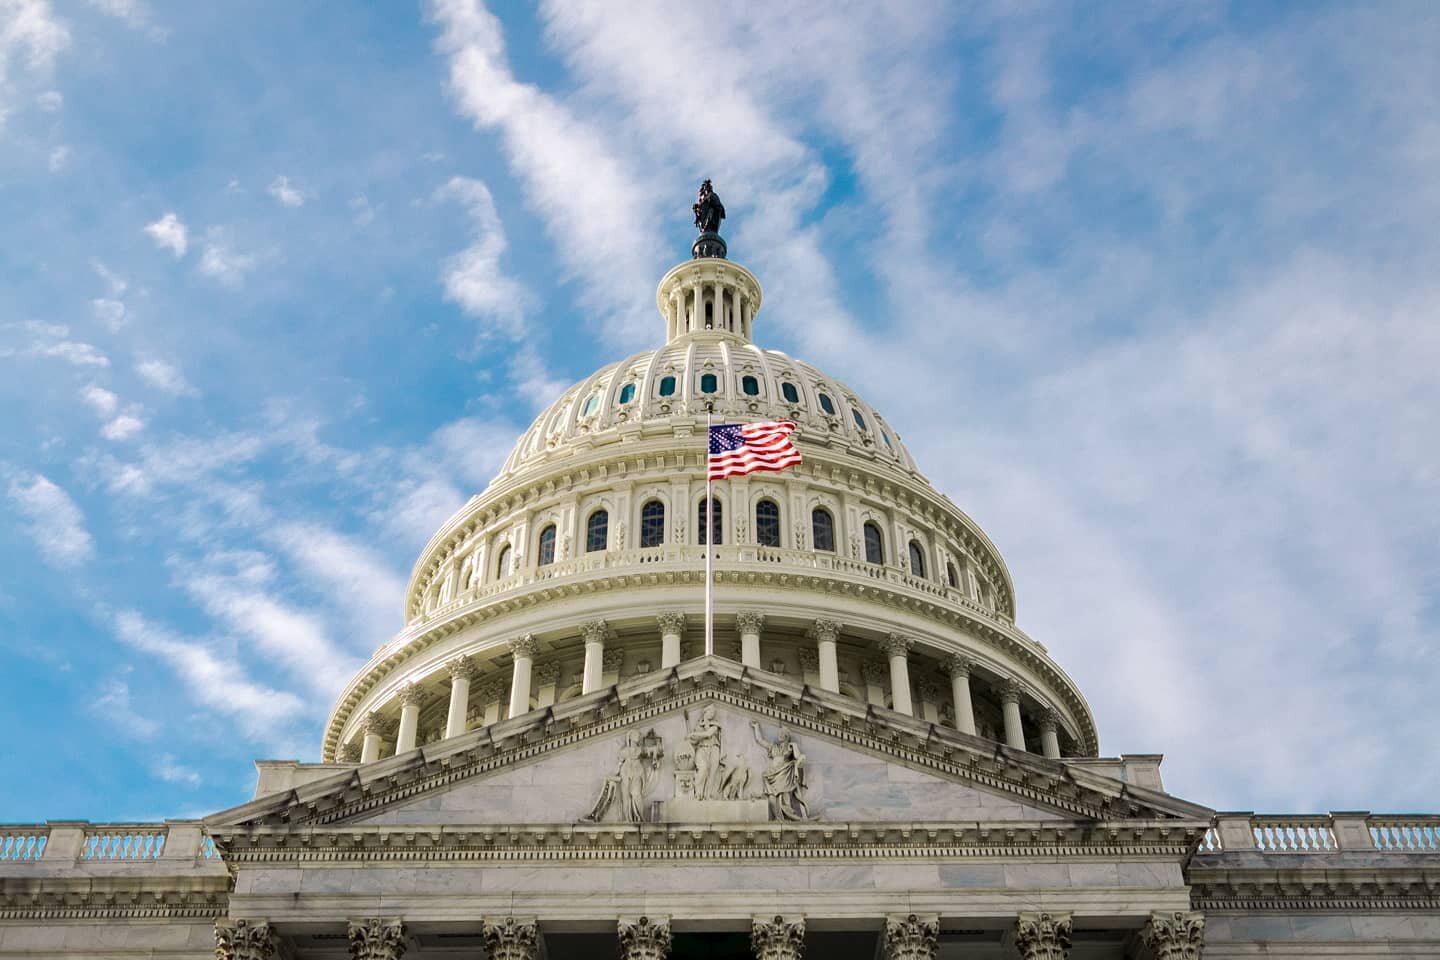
(709, 211)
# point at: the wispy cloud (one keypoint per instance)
(165, 377)
(473, 277)
(222, 263)
(112, 314)
(285, 193)
(170, 770)
(51, 520)
(170, 233)
(112, 704)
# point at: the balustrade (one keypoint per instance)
(23, 842)
(1322, 833)
(1406, 834)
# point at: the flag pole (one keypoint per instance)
(709, 540)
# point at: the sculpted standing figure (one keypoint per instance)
(634, 771)
(709, 211)
(704, 738)
(784, 776)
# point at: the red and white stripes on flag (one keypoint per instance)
(740, 448)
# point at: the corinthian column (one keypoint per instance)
(1178, 935)
(1043, 936)
(523, 650)
(826, 634)
(510, 939)
(594, 634)
(960, 669)
(410, 697)
(245, 940)
(644, 938)
(1010, 704)
(1049, 733)
(912, 936)
(376, 728)
(897, 648)
(750, 624)
(777, 938)
(462, 671)
(672, 627)
(376, 939)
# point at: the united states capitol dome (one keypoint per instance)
(582, 564)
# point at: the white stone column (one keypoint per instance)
(827, 634)
(410, 697)
(523, 651)
(462, 671)
(672, 628)
(778, 937)
(375, 728)
(912, 936)
(492, 701)
(697, 321)
(750, 624)
(960, 669)
(547, 682)
(897, 648)
(1043, 936)
(1175, 935)
(1049, 734)
(874, 674)
(1010, 702)
(594, 633)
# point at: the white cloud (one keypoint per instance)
(221, 263)
(112, 704)
(72, 352)
(110, 313)
(364, 212)
(102, 401)
(282, 191)
(473, 277)
(30, 36)
(170, 770)
(59, 157)
(164, 376)
(123, 427)
(50, 101)
(115, 284)
(169, 233)
(353, 578)
(51, 520)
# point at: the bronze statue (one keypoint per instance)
(709, 211)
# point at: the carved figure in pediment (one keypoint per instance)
(784, 779)
(735, 781)
(705, 739)
(628, 786)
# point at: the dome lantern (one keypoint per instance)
(708, 294)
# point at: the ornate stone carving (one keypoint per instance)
(671, 622)
(896, 645)
(742, 530)
(799, 536)
(412, 694)
(548, 674)
(612, 660)
(245, 940)
(784, 779)
(1010, 690)
(912, 937)
(929, 693)
(491, 691)
(777, 938)
(523, 646)
(809, 660)
(1050, 720)
(463, 668)
(595, 631)
(376, 939)
(959, 665)
(874, 672)
(644, 938)
(1178, 935)
(377, 724)
(619, 536)
(634, 775)
(705, 739)
(678, 534)
(748, 621)
(1043, 936)
(510, 939)
(825, 630)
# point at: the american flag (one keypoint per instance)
(739, 448)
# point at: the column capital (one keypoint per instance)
(749, 621)
(809, 659)
(671, 621)
(777, 938)
(1175, 935)
(912, 936)
(510, 939)
(245, 940)
(378, 724)
(491, 690)
(874, 672)
(596, 631)
(896, 645)
(927, 690)
(377, 939)
(523, 646)
(612, 660)
(1043, 936)
(463, 668)
(548, 673)
(826, 631)
(412, 694)
(644, 938)
(1010, 690)
(959, 665)
(1050, 720)
(349, 752)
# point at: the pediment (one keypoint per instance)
(859, 764)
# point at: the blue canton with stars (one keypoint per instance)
(725, 438)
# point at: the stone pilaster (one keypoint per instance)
(1177, 935)
(547, 683)
(897, 649)
(1043, 936)
(511, 939)
(874, 674)
(462, 670)
(672, 628)
(777, 938)
(912, 936)
(595, 633)
(522, 650)
(644, 938)
(410, 697)
(245, 940)
(377, 939)
(750, 624)
(827, 634)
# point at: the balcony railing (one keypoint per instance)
(1322, 833)
(75, 841)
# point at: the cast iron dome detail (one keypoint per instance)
(615, 468)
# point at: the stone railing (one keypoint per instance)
(1322, 833)
(79, 841)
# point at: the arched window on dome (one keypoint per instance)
(627, 393)
(750, 386)
(951, 577)
(874, 544)
(597, 531)
(859, 420)
(917, 559)
(717, 527)
(667, 386)
(822, 529)
(827, 404)
(592, 402)
(767, 523)
(503, 563)
(790, 392)
(709, 383)
(546, 554)
(652, 524)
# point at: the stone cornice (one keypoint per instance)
(1387, 881)
(89, 898)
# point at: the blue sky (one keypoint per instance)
(1150, 290)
